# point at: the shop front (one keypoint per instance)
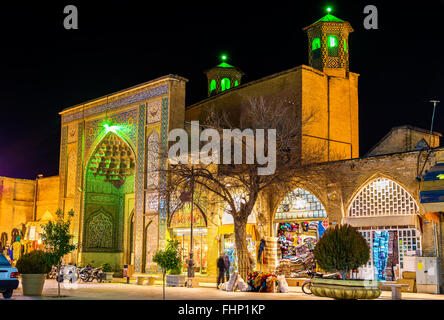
(299, 222)
(180, 230)
(227, 239)
(388, 218)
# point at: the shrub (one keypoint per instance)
(341, 249)
(35, 262)
(106, 267)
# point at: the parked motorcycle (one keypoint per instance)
(85, 273)
(98, 274)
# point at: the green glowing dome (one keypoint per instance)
(224, 65)
(329, 18)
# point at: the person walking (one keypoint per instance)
(227, 267)
(221, 267)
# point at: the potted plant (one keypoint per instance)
(33, 268)
(108, 272)
(342, 249)
(175, 278)
(169, 260)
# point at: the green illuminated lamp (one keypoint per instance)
(328, 9)
(223, 57)
(109, 128)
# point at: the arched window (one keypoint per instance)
(225, 84)
(333, 45)
(212, 85)
(316, 44)
(382, 197)
(300, 203)
(236, 83)
(345, 45)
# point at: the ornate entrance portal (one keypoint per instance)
(109, 179)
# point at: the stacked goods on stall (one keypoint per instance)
(296, 242)
(391, 271)
(270, 254)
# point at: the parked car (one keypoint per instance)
(8, 277)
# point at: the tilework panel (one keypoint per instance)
(100, 232)
(116, 103)
(71, 170)
(154, 111)
(62, 165)
(163, 164)
(78, 194)
(151, 245)
(152, 170)
(152, 202)
(139, 189)
(382, 197)
(127, 121)
(72, 133)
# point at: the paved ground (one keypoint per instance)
(121, 291)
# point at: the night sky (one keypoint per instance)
(45, 68)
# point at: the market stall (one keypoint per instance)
(227, 238)
(299, 222)
(180, 228)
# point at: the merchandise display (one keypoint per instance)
(262, 282)
(380, 253)
(231, 252)
(297, 241)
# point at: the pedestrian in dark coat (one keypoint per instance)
(221, 268)
(227, 267)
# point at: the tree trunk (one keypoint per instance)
(58, 280)
(240, 233)
(164, 275)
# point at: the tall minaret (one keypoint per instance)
(223, 77)
(328, 45)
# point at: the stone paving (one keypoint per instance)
(122, 291)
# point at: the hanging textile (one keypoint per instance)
(16, 247)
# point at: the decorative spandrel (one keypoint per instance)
(113, 159)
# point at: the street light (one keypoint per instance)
(435, 102)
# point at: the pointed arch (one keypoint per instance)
(181, 216)
(113, 159)
(382, 196)
(101, 137)
(100, 230)
(300, 203)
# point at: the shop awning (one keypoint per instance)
(229, 228)
(381, 221)
(431, 193)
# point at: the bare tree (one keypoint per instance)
(238, 186)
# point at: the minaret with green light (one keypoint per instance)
(223, 77)
(328, 49)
